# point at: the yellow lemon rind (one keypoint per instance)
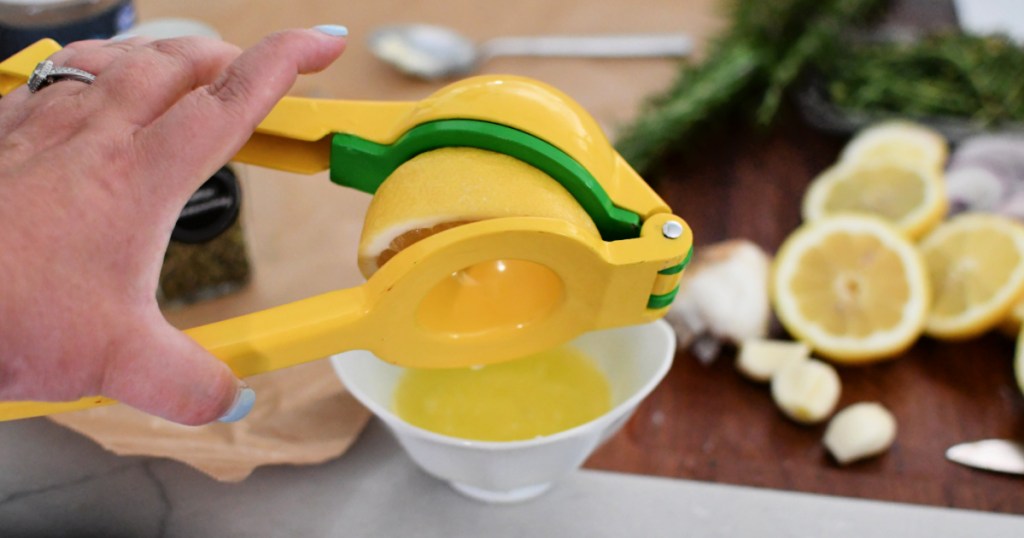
(914, 224)
(885, 344)
(1000, 307)
(460, 184)
(930, 141)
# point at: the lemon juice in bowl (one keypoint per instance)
(540, 394)
(633, 360)
(516, 400)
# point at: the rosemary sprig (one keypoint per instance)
(710, 89)
(948, 75)
(766, 48)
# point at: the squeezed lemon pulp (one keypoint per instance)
(522, 399)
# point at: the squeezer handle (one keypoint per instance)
(294, 137)
(255, 343)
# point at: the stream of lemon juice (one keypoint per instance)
(521, 399)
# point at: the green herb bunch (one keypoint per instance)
(768, 45)
(947, 75)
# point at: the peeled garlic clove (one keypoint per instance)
(860, 431)
(760, 359)
(806, 391)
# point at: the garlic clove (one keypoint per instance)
(860, 431)
(806, 391)
(760, 359)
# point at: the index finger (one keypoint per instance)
(210, 124)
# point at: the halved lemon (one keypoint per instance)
(898, 141)
(852, 287)
(911, 196)
(976, 267)
(449, 187)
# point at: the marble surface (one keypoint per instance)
(56, 483)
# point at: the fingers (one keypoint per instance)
(49, 117)
(96, 55)
(208, 126)
(93, 56)
(136, 79)
(161, 371)
(144, 83)
(202, 105)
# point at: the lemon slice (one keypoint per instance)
(900, 141)
(911, 196)
(448, 187)
(976, 266)
(853, 287)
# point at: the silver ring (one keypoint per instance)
(46, 73)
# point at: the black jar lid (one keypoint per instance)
(211, 210)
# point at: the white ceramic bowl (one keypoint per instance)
(635, 359)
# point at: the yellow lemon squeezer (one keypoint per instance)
(537, 282)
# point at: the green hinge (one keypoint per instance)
(678, 268)
(661, 301)
(363, 165)
(654, 302)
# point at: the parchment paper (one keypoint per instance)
(303, 415)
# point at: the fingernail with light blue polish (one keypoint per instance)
(333, 30)
(243, 405)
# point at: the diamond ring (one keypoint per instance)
(46, 73)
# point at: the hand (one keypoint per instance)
(92, 180)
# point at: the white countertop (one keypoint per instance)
(53, 482)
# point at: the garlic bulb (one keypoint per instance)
(723, 297)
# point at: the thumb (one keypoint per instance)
(160, 370)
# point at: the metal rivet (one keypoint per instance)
(672, 229)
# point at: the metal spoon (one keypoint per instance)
(433, 52)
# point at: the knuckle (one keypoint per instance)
(79, 46)
(172, 53)
(176, 48)
(120, 47)
(231, 92)
(187, 50)
(284, 39)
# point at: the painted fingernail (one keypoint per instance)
(244, 401)
(122, 37)
(333, 30)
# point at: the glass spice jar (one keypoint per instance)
(207, 256)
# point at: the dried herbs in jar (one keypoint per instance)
(207, 255)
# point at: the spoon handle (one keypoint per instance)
(594, 46)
